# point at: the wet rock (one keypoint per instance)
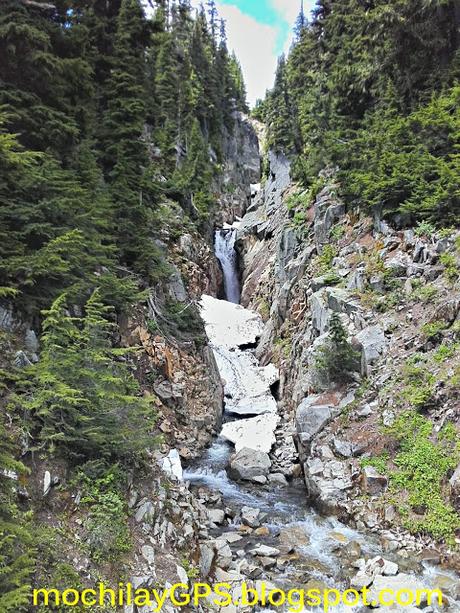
(249, 463)
(216, 516)
(250, 516)
(373, 482)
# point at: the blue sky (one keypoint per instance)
(258, 31)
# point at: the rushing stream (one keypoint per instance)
(322, 545)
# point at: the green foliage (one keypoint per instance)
(424, 293)
(337, 359)
(323, 262)
(433, 329)
(418, 385)
(423, 464)
(371, 88)
(425, 228)
(84, 401)
(451, 269)
(17, 554)
(380, 463)
(108, 536)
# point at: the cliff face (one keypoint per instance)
(311, 268)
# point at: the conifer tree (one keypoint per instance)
(84, 400)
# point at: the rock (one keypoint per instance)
(361, 580)
(8, 321)
(148, 553)
(175, 285)
(320, 313)
(278, 479)
(207, 554)
(250, 516)
(373, 343)
(343, 448)
(31, 342)
(172, 465)
(249, 463)
(328, 211)
(357, 280)
(166, 390)
(21, 360)
(398, 264)
(311, 419)
(223, 554)
(395, 584)
(182, 574)
(374, 483)
(46, 483)
(454, 483)
(265, 550)
(256, 433)
(216, 516)
(145, 512)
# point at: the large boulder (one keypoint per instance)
(328, 211)
(249, 463)
(311, 419)
(373, 343)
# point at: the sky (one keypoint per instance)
(259, 31)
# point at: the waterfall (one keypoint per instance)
(227, 256)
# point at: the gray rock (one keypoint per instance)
(216, 516)
(207, 555)
(7, 320)
(278, 479)
(373, 482)
(400, 582)
(168, 391)
(264, 550)
(249, 463)
(250, 516)
(31, 342)
(175, 286)
(311, 420)
(454, 483)
(320, 313)
(357, 280)
(373, 343)
(145, 512)
(21, 360)
(148, 553)
(343, 448)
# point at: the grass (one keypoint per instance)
(423, 464)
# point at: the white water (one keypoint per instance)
(225, 252)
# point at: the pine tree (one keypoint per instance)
(84, 399)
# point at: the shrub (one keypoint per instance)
(337, 359)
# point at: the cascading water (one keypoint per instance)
(226, 254)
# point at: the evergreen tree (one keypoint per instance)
(16, 544)
(84, 400)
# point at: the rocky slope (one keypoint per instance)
(396, 293)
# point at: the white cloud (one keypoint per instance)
(255, 46)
